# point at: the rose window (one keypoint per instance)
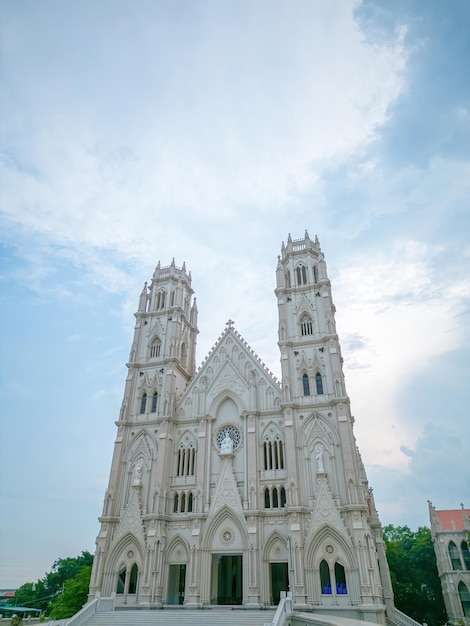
(232, 432)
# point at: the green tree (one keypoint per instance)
(413, 570)
(73, 597)
(41, 594)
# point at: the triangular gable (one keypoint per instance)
(131, 521)
(304, 306)
(325, 512)
(228, 379)
(229, 366)
(226, 492)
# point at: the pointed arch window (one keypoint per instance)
(315, 274)
(340, 579)
(186, 460)
(306, 326)
(183, 502)
(267, 499)
(319, 383)
(333, 580)
(275, 499)
(454, 556)
(161, 297)
(154, 402)
(464, 596)
(466, 554)
(143, 403)
(273, 453)
(306, 385)
(301, 274)
(155, 348)
(133, 579)
(325, 579)
(121, 581)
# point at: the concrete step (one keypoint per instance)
(182, 617)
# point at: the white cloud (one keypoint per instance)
(394, 304)
(223, 133)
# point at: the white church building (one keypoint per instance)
(228, 486)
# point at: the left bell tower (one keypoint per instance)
(162, 360)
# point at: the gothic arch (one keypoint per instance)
(317, 426)
(143, 445)
(304, 307)
(275, 542)
(221, 397)
(186, 438)
(126, 552)
(271, 430)
(177, 550)
(327, 535)
(225, 515)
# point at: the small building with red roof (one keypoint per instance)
(450, 531)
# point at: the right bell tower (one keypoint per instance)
(328, 492)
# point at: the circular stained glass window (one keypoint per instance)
(232, 432)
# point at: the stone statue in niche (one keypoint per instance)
(226, 447)
(137, 473)
(319, 458)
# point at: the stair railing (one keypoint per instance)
(284, 609)
(401, 619)
(85, 613)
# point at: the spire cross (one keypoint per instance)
(229, 324)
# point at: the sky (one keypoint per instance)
(140, 131)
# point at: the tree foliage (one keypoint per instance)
(413, 569)
(42, 594)
(73, 597)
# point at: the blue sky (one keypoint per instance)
(207, 131)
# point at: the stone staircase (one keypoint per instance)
(181, 617)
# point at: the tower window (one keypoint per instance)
(154, 402)
(161, 297)
(319, 383)
(306, 326)
(143, 403)
(301, 273)
(155, 348)
(306, 385)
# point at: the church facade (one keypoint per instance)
(228, 486)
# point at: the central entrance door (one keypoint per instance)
(226, 583)
(279, 580)
(176, 584)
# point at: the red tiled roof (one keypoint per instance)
(447, 517)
